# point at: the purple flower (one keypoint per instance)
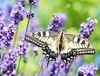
(57, 22)
(35, 50)
(17, 12)
(6, 33)
(21, 1)
(34, 26)
(55, 69)
(87, 70)
(31, 2)
(0, 55)
(62, 71)
(29, 15)
(2, 20)
(2, 32)
(22, 48)
(67, 66)
(87, 28)
(8, 63)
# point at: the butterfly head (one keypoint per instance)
(62, 33)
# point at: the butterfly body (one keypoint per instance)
(54, 43)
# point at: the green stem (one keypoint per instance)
(28, 21)
(15, 36)
(30, 65)
(3, 53)
(25, 34)
(18, 64)
(2, 56)
(41, 67)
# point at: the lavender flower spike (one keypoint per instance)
(8, 64)
(2, 20)
(87, 28)
(2, 23)
(22, 48)
(17, 12)
(87, 70)
(31, 2)
(6, 33)
(57, 22)
(55, 67)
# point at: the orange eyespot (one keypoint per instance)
(56, 54)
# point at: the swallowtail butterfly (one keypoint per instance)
(69, 45)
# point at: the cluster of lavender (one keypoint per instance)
(8, 63)
(57, 22)
(9, 54)
(22, 48)
(87, 70)
(31, 2)
(6, 33)
(29, 15)
(8, 59)
(87, 28)
(2, 23)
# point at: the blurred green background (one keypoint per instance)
(77, 11)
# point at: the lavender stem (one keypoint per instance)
(28, 20)
(15, 36)
(41, 67)
(31, 65)
(18, 63)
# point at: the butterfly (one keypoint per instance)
(52, 43)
